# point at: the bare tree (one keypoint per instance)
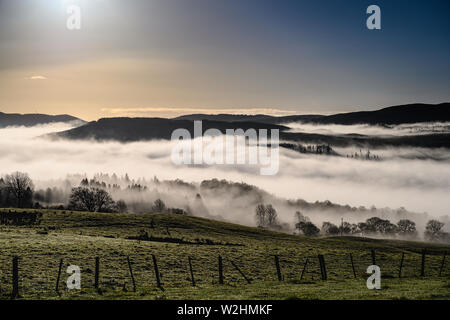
(271, 215)
(20, 185)
(260, 214)
(121, 206)
(91, 199)
(433, 230)
(103, 200)
(159, 206)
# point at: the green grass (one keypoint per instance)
(78, 237)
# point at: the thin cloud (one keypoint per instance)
(37, 78)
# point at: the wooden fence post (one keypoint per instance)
(277, 265)
(401, 265)
(353, 265)
(323, 269)
(304, 269)
(422, 267)
(220, 270)
(155, 265)
(59, 275)
(131, 274)
(442, 265)
(192, 271)
(374, 261)
(242, 273)
(15, 278)
(97, 272)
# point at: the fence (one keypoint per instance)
(32, 275)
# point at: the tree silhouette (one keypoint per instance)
(21, 187)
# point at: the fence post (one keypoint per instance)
(155, 265)
(97, 272)
(59, 275)
(242, 273)
(15, 277)
(442, 265)
(323, 269)
(401, 265)
(131, 274)
(192, 271)
(220, 270)
(304, 269)
(353, 265)
(374, 261)
(277, 265)
(422, 267)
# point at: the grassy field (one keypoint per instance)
(79, 237)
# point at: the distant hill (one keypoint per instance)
(253, 118)
(408, 113)
(139, 129)
(136, 129)
(29, 120)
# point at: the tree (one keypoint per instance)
(406, 227)
(300, 217)
(91, 199)
(21, 187)
(329, 228)
(121, 206)
(159, 206)
(260, 215)
(378, 225)
(103, 201)
(346, 228)
(433, 230)
(308, 228)
(271, 215)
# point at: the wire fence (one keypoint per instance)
(36, 275)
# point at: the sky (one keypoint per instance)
(171, 57)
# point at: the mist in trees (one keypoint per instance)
(433, 231)
(266, 216)
(106, 193)
(305, 226)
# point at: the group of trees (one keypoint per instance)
(404, 228)
(266, 216)
(364, 156)
(17, 191)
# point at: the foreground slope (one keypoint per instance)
(78, 237)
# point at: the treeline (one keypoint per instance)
(375, 226)
(266, 217)
(17, 191)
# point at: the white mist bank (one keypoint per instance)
(372, 130)
(418, 185)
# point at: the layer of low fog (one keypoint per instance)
(416, 184)
(370, 130)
